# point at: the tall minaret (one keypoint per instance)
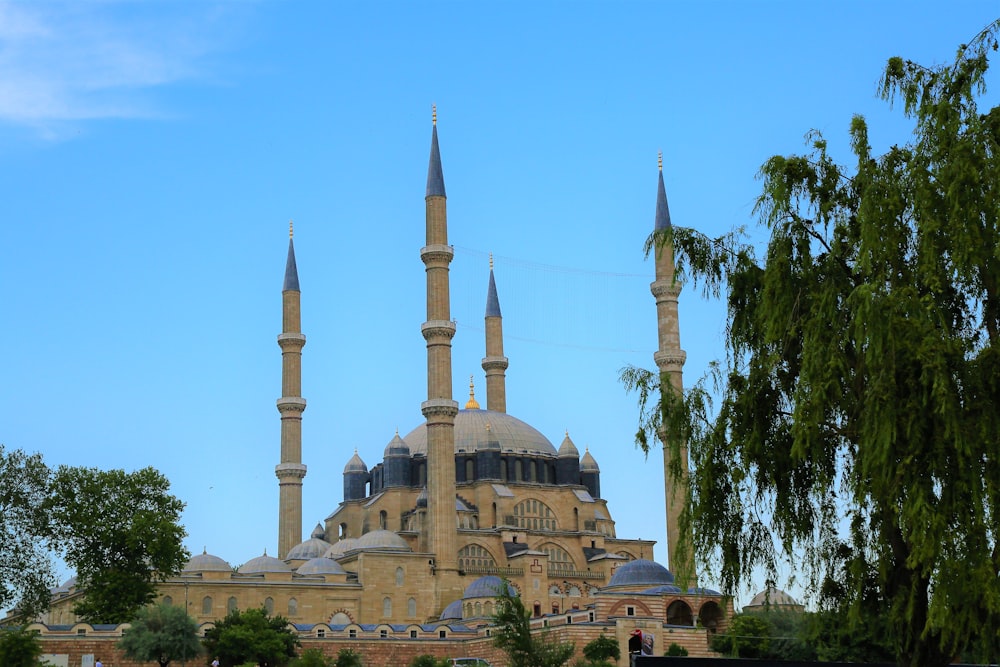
(670, 361)
(439, 409)
(291, 405)
(494, 363)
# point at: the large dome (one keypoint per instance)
(641, 572)
(471, 434)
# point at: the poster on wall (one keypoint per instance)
(647, 643)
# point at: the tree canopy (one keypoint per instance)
(19, 648)
(857, 433)
(512, 634)
(121, 532)
(252, 636)
(163, 634)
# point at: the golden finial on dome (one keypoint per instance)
(491, 261)
(472, 404)
(659, 159)
(434, 114)
(289, 229)
(488, 427)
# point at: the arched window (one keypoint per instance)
(206, 605)
(573, 591)
(679, 613)
(411, 607)
(535, 515)
(167, 600)
(422, 474)
(399, 576)
(470, 470)
(503, 470)
(387, 607)
(559, 560)
(479, 609)
(518, 470)
(383, 518)
(340, 618)
(269, 605)
(293, 607)
(711, 616)
(473, 557)
(487, 608)
(343, 530)
(231, 604)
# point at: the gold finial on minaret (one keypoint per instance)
(472, 404)
(659, 159)
(491, 261)
(434, 114)
(290, 229)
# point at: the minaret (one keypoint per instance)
(291, 405)
(439, 409)
(670, 361)
(494, 363)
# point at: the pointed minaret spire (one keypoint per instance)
(669, 360)
(435, 175)
(494, 363)
(291, 405)
(441, 536)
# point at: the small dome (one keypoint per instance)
(321, 566)
(452, 611)
(311, 548)
(341, 547)
(382, 539)
(486, 587)
(206, 562)
(396, 447)
(663, 588)
(355, 464)
(772, 597)
(567, 448)
(587, 463)
(262, 564)
(641, 572)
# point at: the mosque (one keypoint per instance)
(419, 544)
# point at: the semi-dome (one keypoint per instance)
(486, 587)
(206, 562)
(321, 566)
(641, 572)
(452, 611)
(314, 547)
(471, 434)
(382, 539)
(262, 564)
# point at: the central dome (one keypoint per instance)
(471, 434)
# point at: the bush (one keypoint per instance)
(676, 650)
(602, 649)
(312, 657)
(348, 658)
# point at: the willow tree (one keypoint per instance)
(855, 427)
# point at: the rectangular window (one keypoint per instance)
(413, 634)
(352, 633)
(442, 634)
(630, 611)
(321, 633)
(383, 633)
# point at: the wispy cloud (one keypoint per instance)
(65, 62)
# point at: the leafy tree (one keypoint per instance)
(252, 636)
(748, 636)
(312, 657)
(602, 648)
(676, 650)
(862, 372)
(26, 570)
(121, 532)
(348, 658)
(18, 647)
(513, 635)
(429, 661)
(161, 633)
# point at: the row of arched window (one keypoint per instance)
(207, 605)
(411, 607)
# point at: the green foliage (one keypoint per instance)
(675, 650)
(312, 657)
(602, 648)
(252, 636)
(348, 658)
(121, 532)
(161, 633)
(748, 636)
(18, 647)
(513, 635)
(429, 661)
(862, 374)
(26, 569)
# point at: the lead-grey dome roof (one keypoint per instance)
(321, 566)
(381, 539)
(206, 562)
(471, 434)
(262, 564)
(314, 547)
(641, 572)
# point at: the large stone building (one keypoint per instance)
(422, 538)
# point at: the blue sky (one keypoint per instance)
(151, 155)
